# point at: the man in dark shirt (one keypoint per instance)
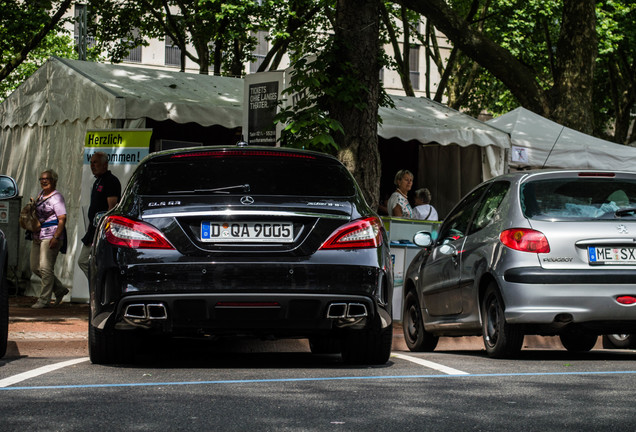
(105, 195)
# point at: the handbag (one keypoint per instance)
(28, 219)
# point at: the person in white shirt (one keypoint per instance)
(423, 209)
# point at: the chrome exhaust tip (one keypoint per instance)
(140, 311)
(157, 311)
(337, 310)
(135, 311)
(357, 310)
(347, 310)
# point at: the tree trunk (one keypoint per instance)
(572, 95)
(357, 52)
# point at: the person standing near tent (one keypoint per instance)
(50, 210)
(423, 209)
(398, 204)
(105, 195)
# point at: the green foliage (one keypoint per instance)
(315, 84)
(615, 81)
(20, 21)
(305, 118)
(195, 26)
(529, 29)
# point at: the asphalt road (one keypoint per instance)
(279, 386)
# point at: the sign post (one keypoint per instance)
(262, 93)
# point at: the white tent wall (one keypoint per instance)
(27, 151)
(550, 145)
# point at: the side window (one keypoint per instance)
(456, 224)
(489, 206)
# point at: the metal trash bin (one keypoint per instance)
(10, 225)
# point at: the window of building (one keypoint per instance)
(414, 66)
(80, 33)
(262, 47)
(134, 56)
(173, 53)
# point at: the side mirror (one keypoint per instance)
(8, 188)
(423, 239)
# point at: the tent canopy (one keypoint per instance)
(72, 90)
(427, 121)
(541, 143)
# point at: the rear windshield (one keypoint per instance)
(579, 198)
(239, 174)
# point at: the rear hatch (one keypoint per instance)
(238, 201)
(589, 219)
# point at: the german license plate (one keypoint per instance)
(611, 255)
(247, 232)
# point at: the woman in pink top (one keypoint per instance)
(47, 242)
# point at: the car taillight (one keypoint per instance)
(626, 300)
(525, 240)
(360, 234)
(124, 232)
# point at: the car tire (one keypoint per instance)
(621, 341)
(108, 347)
(325, 345)
(501, 339)
(578, 341)
(367, 347)
(4, 312)
(417, 339)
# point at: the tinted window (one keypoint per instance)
(489, 206)
(456, 224)
(577, 198)
(265, 175)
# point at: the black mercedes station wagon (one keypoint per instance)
(262, 242)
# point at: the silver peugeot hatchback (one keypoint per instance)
(534, 252)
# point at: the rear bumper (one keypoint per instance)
(281, 315)
(556, 298)
(539, 275)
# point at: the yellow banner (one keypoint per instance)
(117, 138)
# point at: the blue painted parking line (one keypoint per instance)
(318, 379)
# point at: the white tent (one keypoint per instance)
(455, 151)
(427, 121)
(43, 123)
(541, 143)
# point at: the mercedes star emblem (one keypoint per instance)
(247, 200)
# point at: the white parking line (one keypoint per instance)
(430, 364)
(39, 371)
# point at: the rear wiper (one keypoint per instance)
(624, 211)
(224, 189)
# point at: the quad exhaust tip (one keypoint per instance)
(142, 311)
(347, 310)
